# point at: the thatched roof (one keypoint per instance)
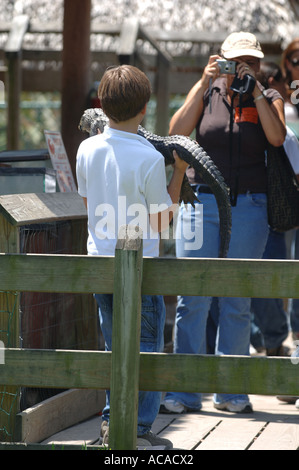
(275, 18)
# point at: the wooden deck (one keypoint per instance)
(274, 425)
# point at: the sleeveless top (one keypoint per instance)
(247, 161)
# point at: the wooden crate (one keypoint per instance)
(43, 223)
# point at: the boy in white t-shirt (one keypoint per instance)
(122, 180)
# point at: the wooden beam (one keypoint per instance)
(184, 71)
(30, 208)
(29, 446)
(75, 73)
(162, 83)
(222, 277)
(56, 368)
(127, 41)
(158, 371)
(173, 35)
(9, 331)
(219, 374)
(57, 413)
(13, 53)
(19, 27)
(200, 276)
(63, 273)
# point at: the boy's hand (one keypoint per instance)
(179, 164)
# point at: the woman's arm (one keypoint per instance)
(271, 115)
(272, 119)
(185, 119)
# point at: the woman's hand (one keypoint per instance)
(244, 69)
(211, 71)
(271, 116)
(179, 164)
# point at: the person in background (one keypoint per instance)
(270, 325)
(244, 123)
(269, 314)
(290, 71)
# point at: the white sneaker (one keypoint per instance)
(297, 404)
(235, 406)
(172, 406)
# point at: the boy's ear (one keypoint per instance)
(143, 111)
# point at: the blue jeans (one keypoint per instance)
(151, 340)
(269, 314)
(269, 323)
(294, 311)
(248, 240)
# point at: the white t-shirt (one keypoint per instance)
(123, 178)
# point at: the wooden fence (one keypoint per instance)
(124, 371)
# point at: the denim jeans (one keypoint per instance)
(248, 240)
(294, 310)
(151, 340)
(269, 314)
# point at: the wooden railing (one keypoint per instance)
(125, 370)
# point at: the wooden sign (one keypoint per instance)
(60, 161)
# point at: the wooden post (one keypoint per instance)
(126, 339)
(13, 53)
(162, 87)
(75, 73)
(9, 334)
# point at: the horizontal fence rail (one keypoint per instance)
(158, 371)
(166, 276)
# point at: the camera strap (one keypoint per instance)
(234, 192)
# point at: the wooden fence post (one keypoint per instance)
(127, 41)
(162, 83)
(126, 339)
(13, 53)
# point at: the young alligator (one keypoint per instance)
(94, 120)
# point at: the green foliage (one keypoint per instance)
(39, 111)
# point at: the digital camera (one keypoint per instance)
(227, 66)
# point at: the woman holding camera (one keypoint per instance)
(234, 128)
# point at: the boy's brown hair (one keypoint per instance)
(123, 92)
